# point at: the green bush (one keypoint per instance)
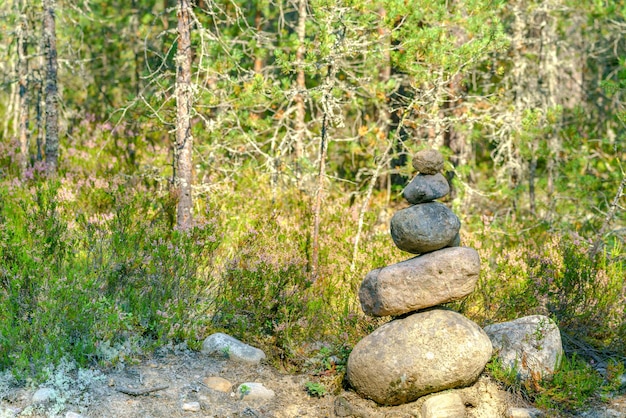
(97, 286)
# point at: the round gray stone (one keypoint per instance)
(428, 161)
(424, 228)
(424, 353)
(530, 345)
(229, 347)
(421, 282)
(426, 188)
(43, 395)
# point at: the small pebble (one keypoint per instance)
(218, 383)
(191, 406)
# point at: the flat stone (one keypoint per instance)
(424, 228)
(445, 405)
(426, 352)
(431, 279)
(218, 383)
(530, 345)
(428, 161)
(426, 188)
(231, 348)
(253, 391)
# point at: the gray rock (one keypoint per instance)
(252, 391)
(421, 282)
(343, 408)
(426, 188)
(428, 161)
(444, 405)
(456, 241)
(231, 348)
(423, 353)
(531, 345)
(423, 228)
(43, 395)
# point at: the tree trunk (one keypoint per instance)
(300, 124)
(52, 99)
(22, 65)
(184, 140)
(329, 83)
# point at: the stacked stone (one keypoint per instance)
(429, 348)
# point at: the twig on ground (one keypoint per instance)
(140, 392)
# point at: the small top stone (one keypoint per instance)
(428, 161)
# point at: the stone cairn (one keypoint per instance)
(426, 348)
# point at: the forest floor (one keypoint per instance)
(183, 372)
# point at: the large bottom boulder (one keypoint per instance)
(423, 353)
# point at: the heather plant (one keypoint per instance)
(557, 277)
(266, 293)
(131, 279)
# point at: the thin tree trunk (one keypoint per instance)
(300, 124)
(319, 195)
(22, 65)
(184, 140)
(531, 182)
(384, 74)
(52, 116)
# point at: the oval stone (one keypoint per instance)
(421, 282)
(428, 161)
(423, 353)
(426, 188)
(424, 228)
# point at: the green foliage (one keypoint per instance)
(315, 389)
(573, 387)
(557, 277)
(95, 287)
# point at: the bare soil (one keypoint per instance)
(184, 371)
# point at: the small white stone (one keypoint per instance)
(191, 406)
(252, 391)
(72, 414)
